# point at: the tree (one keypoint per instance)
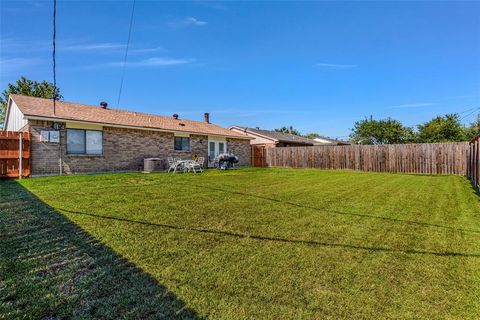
(385, 131)
(474, 129)
(442, 129)
(288, 130)
(312, 135)
(27, 87)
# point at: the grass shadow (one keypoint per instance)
(280, 239)
(321, 210)
(476, 190)
(52, 269)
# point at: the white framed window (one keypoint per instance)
(211, 150)
(50, 136)
(182, 143)
(216, 147)
(81, 141)
(93, 142)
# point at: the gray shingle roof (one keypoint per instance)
(283, 137)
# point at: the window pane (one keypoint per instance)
(178, 143)
(186, 144)
(212, 150)
(221, 147)
(94, 143)
(75, 141)
(182, 143)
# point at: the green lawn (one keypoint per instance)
(250, 243)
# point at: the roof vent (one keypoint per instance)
(175, 116)
(103, 105)
(181, 124)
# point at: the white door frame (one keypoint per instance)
(216, 147)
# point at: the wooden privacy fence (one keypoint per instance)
(14, 154)
(429, 158)
(258, 156)
(474, 162)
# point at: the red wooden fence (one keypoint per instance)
(258, 156)
(474, 162)
(13, 147)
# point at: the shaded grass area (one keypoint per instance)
(52, 269)
(280, 243)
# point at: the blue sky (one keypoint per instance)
(318, 66)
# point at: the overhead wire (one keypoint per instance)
(474, 108)
(54, 54)
(469, 114)
(126, 54)
(54, 93)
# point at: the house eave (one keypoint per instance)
(274, 140)
(106, 124)
(7, 112)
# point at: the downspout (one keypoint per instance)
(20, 159)
(60, 152)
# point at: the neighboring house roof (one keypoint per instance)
(39, 108)
(276, 136)
(328, 141)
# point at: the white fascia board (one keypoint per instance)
(7, 112)
(255, 134)
(128, 127)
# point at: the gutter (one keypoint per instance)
(7, 113)
(255, 134)
(105, 124)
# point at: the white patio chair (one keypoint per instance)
(192, 165)
(172, 164)
(201, 162)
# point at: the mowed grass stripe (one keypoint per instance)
(260, 219)
(316, 244)
(378, 188)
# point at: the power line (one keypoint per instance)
(469, 114)
(54, 93)
(474, 108)
(126, 53)
(53, 54)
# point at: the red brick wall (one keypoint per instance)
(241, 148)
(123, 150)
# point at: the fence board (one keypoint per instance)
(10, 154)
(474, 162)
(428, 158)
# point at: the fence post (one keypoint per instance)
(20, 155)
(434, 158)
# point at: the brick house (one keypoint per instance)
(270, 138)
(78, 138)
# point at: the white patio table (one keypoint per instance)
(180, 164)
(187, 165)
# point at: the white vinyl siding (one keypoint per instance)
(14, 118)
